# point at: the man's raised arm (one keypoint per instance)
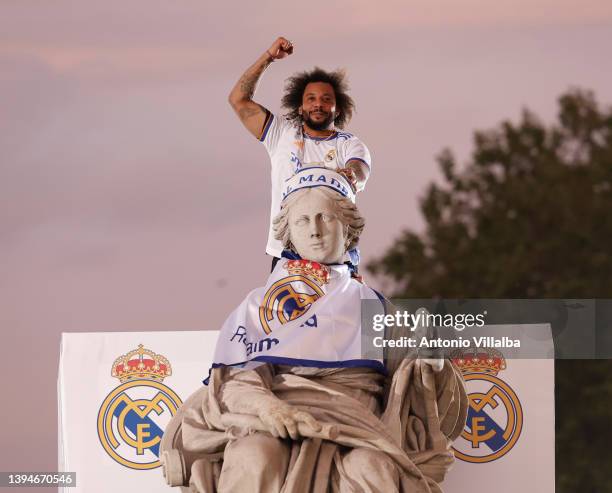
(252, 114)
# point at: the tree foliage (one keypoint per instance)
(528, 217)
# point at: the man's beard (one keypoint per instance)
(318, 126)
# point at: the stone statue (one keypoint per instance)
(289, 406)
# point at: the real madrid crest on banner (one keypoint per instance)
(132, 418)
(495, 415)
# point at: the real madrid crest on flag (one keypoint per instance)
(132, 418)
(495, 415)
(291, 297)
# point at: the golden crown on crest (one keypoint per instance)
(141, 363)
(315, 270)
(480, 360)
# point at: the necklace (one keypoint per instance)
(318, 140)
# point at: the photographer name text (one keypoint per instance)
(438, 342)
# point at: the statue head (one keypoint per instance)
(318, 224)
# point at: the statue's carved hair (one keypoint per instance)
(296, 85)
(347, 212)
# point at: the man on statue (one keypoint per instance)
(311, 134)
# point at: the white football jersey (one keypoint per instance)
(291, 150)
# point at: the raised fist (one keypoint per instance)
(281, 48)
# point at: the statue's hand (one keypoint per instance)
(436, 364)
(282, 420)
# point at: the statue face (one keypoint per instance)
(315, 229)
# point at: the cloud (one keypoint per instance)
(135, 156)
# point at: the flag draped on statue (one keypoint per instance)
(305, 315)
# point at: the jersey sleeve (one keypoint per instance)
(273, 129)
(357, 150)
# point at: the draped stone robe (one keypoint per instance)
(379, 433)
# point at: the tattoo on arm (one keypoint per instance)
(247, 85)
(249, 112)
(249, 80)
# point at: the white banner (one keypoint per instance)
(116, 393)
(115, 398)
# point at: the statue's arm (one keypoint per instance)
(248, 392)
(252, 114)
(244, 391)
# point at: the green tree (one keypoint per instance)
(529, 216)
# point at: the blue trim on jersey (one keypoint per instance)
(329, 137)
(266, 127)
(345, 135)
(360, 160)
(311, 363)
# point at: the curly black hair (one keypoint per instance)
(296, 84)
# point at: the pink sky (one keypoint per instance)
(132, 199)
